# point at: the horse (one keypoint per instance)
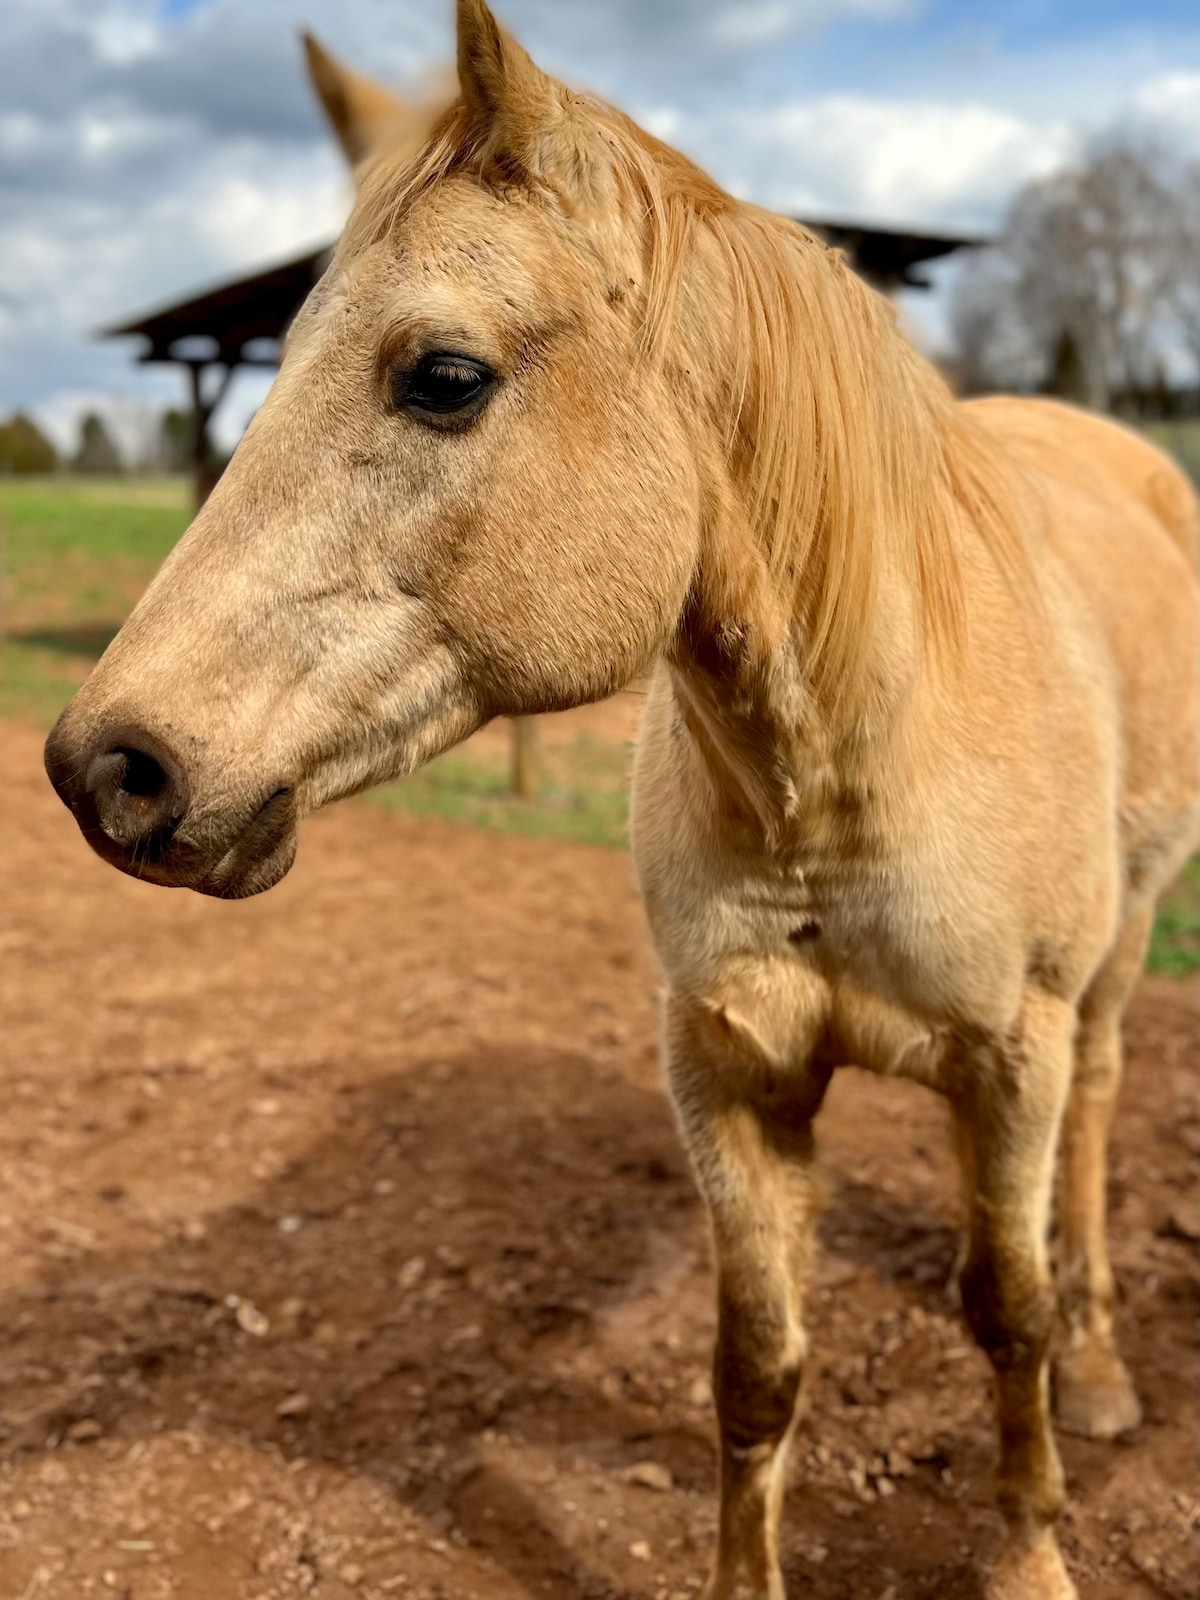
(920, 748)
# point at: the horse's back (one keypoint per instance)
(1098, 457)
(1123, 520)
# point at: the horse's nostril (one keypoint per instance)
(141, 774)
(135, 790)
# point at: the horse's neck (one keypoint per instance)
(774, 743)
(773, 729)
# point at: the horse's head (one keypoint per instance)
(475, 489)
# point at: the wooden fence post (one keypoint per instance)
(524, 757)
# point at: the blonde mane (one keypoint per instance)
(847, 447)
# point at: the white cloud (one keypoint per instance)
(752, 25)
(900, 161)
(1172, 101)
(141, 158)
(672, 33)
(764, 22)
(284, 213)
(122, 36)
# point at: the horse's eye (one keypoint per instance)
(440, 385)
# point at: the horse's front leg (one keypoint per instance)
(746, 1099)
(1094, 1393)
(1009, 1101)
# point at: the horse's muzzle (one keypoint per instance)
(132, 798)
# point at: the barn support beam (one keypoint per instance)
(205, 471)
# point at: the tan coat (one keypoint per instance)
(921, 748)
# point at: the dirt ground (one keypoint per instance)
(347, 1249)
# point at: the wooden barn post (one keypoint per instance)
(204, 475)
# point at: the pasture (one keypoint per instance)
(350, 1249)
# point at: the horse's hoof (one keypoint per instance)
(1030, 1573)
(1093, 1393)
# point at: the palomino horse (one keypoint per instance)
(921, 747)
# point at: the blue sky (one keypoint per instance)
(149, 147)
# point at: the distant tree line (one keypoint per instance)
(24, 447)
(163, 446)
(1092, 289)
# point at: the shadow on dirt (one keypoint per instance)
(416, 1283)
(90, 640)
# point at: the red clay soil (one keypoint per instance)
(349, 1251)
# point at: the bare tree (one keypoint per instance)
(1184, 292)
(993, 348)
(1086, 288)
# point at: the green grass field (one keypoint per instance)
(1182, 440)
(76, 554)
(583, 795)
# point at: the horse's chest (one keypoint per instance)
(889, 932)
(867, 921)
(860, 896)
(879, 925)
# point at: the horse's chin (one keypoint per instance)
(258, 857)
(237, 876)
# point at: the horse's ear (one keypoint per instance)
(361, 111)
(496, 76)
(519, 112)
